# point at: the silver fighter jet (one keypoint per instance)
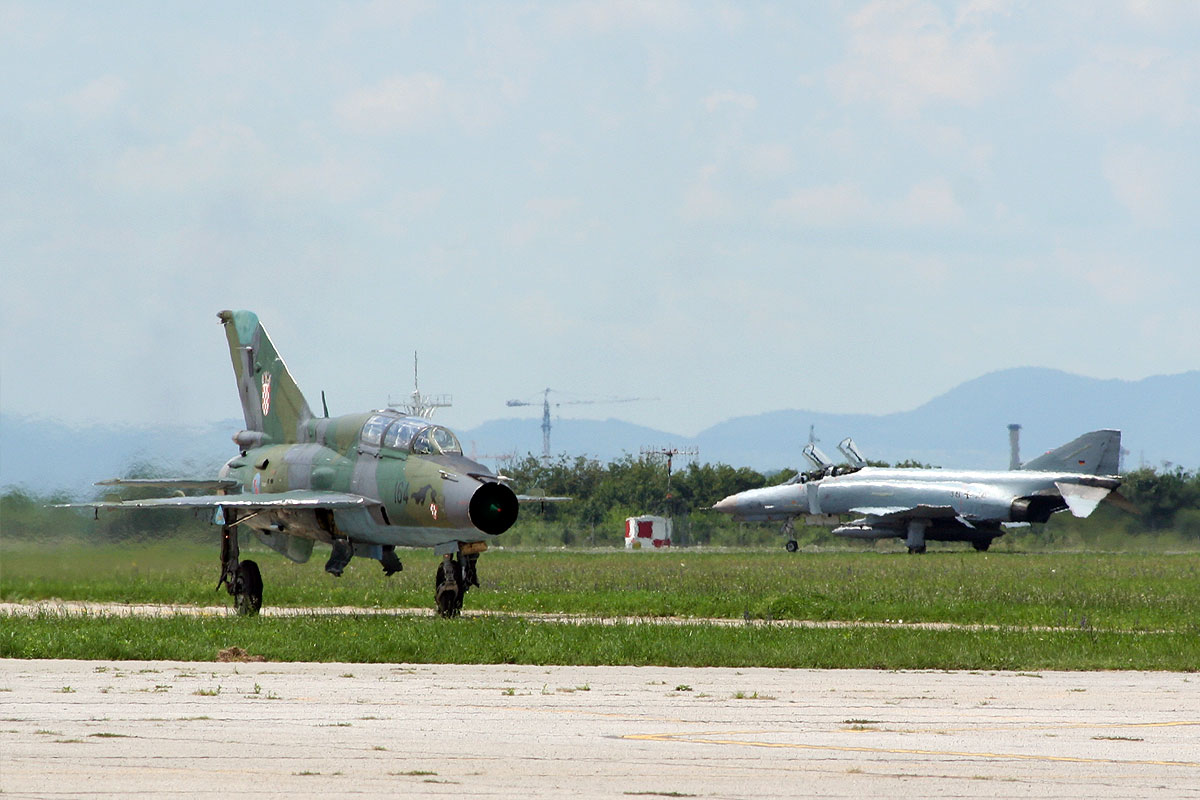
(937, 504)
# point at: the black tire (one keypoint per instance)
(449, 601)
(792, 545)
(982, 546)
(917, 550)
(247, 598)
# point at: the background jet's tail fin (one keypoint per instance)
(1094, 453)
(271, 401)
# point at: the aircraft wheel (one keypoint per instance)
(448, 596)
(247, 595)
(920, 549)
(982, 546)
(792, 545)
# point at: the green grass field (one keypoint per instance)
(1109, 611)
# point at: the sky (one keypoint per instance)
(717, 208)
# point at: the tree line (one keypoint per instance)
(605, 494)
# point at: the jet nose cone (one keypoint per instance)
(729, 505)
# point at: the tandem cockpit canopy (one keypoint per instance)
(409, 435)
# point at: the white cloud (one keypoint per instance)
(929, 203)
(376, 15)
(98, 98)
(746, 102)
(770, 160)
(1163, 15)
(211, 154)
(1140, 181)
(399, 103)
(1119, 85)
(1112, 277)
(540, 214)
(605, 16)
(833, 205)
(906, 55)
(702, 202)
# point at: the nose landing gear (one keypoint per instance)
(455, 576)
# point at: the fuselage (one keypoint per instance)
(992, 495)
(419, 487)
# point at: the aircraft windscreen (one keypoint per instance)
(436, 440)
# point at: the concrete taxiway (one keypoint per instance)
(170, 729)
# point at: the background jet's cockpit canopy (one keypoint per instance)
(409, 435)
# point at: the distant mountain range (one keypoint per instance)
(965, 427)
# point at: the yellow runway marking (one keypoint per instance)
(701, 738)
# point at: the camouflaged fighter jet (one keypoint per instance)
(362, 483)
(937, 504)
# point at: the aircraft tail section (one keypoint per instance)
(1094, 453)
(271, 401)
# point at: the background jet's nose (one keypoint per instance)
(727, 506)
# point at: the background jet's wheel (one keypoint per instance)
(792, 545)
(982, 546)
(920, 549)
(248, 589)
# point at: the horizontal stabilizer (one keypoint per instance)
(1082, 500)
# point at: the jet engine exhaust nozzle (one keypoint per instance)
(493, 508)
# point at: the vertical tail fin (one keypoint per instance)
(1094, 453)
(271, 401)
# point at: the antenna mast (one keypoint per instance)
(670, 451)
(421, 405)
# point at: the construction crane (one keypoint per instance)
(546, 412)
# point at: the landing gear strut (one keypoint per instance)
(242, 579)
(448, 587)
(916, 535)
(455, 575)
(789, 530)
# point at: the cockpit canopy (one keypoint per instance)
(409, 435)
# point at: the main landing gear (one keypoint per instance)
(242, 579)
(916, 535)
(789, 530)
(455, 575)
